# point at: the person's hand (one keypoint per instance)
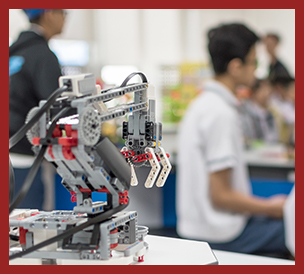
(276, 204)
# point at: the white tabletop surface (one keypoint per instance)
(232, 258)
(172, 251)
(164, 250)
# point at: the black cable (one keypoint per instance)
(143, 77)
(124, 83)
(35, 167)
(19, 135)
(98, 219)
(29, 179)
(22, 131)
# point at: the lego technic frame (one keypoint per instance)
(65, 130)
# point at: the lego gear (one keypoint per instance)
(89, 127)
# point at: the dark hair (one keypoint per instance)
(229, 41)
(36, 20)
(258, 83)
(283, 80)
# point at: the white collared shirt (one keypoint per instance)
(209, 140)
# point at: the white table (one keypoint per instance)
(172, 251)
(165, 251)
(232, 258)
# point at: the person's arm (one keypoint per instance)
(225, 198)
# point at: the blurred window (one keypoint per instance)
(70, 52)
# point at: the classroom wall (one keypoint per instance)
(150, 38)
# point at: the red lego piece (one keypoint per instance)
(68, 130)
(67, 141)
(73, 197)
(85, 189)
(112, 246)
(159, 158)
(123, 198)
(103, 190)
(142, 157)
(36, 141)
(57, 132)
(50, 152)
(113, 232)
(128, 153)
(22, 233)
(67, 153)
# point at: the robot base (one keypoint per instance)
(118, 240)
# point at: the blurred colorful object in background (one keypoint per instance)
(180, 85)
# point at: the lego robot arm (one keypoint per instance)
(89, 163)
(83, 162)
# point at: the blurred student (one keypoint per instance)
(258, 120)
(283, 106)
(214, 199)
(33, 76)
(276, 67)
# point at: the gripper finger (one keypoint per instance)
(154, 170)
(134, 181)
(166, 167)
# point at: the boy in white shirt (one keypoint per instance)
(214, 199)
